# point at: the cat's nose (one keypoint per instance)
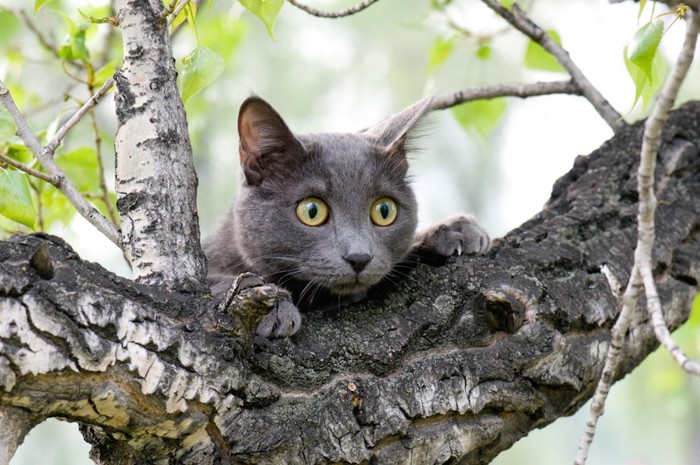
(358, 261)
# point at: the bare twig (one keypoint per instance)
(77, 116)
(504, 90)
(642, 275)
(30, 171)
(63, 184)
(177, 11)
(334, 14)
(519, 20)
(104, 193)
(43, 41)
(612, 360)
(645, 180)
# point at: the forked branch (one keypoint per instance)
(641, 277)
(519, 20)
(63, 184)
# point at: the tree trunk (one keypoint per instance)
(155, 179)
(453, 365)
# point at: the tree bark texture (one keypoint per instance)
(155, 179)
(452, 366)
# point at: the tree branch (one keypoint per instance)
(519, 20)
(454, 364)
(333, 14)
(64, 185)
(645, 179)
(155, 179)
(77, 116)
(641, 275)
(30, 171)
(504, 90)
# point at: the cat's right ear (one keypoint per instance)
(265, 139)
(394, 132)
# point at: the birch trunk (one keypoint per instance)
(156, 183)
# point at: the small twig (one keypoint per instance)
(30, 171)
(100, 165)
(645, 180)
(612, 360)
(77, 116)
(39, 35)
(63, 184)
(642, 275)
(519, 20)
(177, 11)
(504, 90)
(333, 14)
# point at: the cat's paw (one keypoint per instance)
(283, 321)
(457, 235)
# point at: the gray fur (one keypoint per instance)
(263, 235)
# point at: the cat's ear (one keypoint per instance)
(393, 132)
(266, 142)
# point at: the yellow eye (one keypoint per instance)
(312, 211)
(383, 212)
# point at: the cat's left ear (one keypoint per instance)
(393, 132)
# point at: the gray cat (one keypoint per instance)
(326, 216)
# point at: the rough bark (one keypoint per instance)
(452, 366)
(155, 179)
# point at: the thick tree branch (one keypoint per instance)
(454, 364)
(519, 20)
(333, 14)
(504, 90)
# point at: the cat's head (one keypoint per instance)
(334, 211)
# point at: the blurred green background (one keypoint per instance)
(498, 160)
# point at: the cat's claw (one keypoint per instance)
(283, 321)
(457, 235)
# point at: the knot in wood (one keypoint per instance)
(501, 310)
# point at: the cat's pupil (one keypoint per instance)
(313, 210)
(384, 210)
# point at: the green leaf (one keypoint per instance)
(694, 318)
(200, 68)
(538, 58)
(644, 45)
(484, 51)
(189, 13)
(81, 167)
(75, 49)
(16, 198)
(7, 125)
(440, 51)
(480, 116)
(39, 4)
(20, 153)
(507, 3)
(439, 4)
(106, 72)
(645, 87)
(55, 207)
(266, 10)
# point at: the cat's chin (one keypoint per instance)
(351, 289)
